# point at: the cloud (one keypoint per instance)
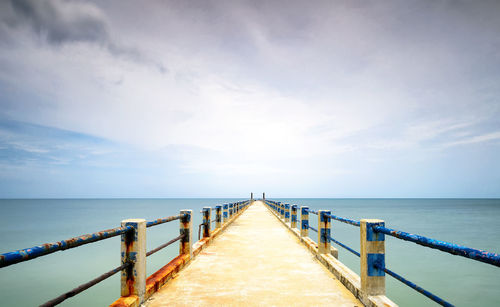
(493, 136)
(60, 22)
(256, 87)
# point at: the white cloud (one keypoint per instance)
(253, 90)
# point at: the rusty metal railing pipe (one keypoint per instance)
(49, 248)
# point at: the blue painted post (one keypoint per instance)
(133, 249)
(186, 228)
(225, 216)
(304, 225)
(287, 213)
(218, 216)
(206, 221)
(324, 231)
(372, 258)
(231, 210)
(293, 224)
(282, 211)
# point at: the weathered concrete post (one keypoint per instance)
(225, 216)
(287, 213)
(133, 249)
(324, 231)
(264, 196)
(230, 210)
(206, 222)
(218, 216)
(186, 228)
(282, 211)
(372, 258)
(304, 225)
(251, 196)
(293, 224)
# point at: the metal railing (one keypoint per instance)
(223, 213)
(374, 232)
(133, 237)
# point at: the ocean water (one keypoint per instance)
(463, 282)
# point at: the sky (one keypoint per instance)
(223, 98)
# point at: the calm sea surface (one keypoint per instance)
(463, 282)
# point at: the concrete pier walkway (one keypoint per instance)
(255, 262)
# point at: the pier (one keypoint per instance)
(252, 252)
(256, 262)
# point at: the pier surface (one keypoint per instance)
(255, 262)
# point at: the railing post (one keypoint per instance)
(287, 213)
(372, 258)
(251, 196)
(224, 214)
(133, 249)
(230, 210)
(324, 231)
(282, 211)
(206, 222)
(293, 224)
(218, 216)
(264, 196)
(304, 224)
(186, 229)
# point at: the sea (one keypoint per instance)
(463, 282)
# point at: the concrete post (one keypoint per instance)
(230, 210)
(372, 258)
(206, 222)
(218, 216)
(293, 224)
(186, 228)
(304, 225)
(133, 249)
(251, 196)
(225, 216)
(264, 196)
(287, 213)
(324, 231)
(282, 211)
